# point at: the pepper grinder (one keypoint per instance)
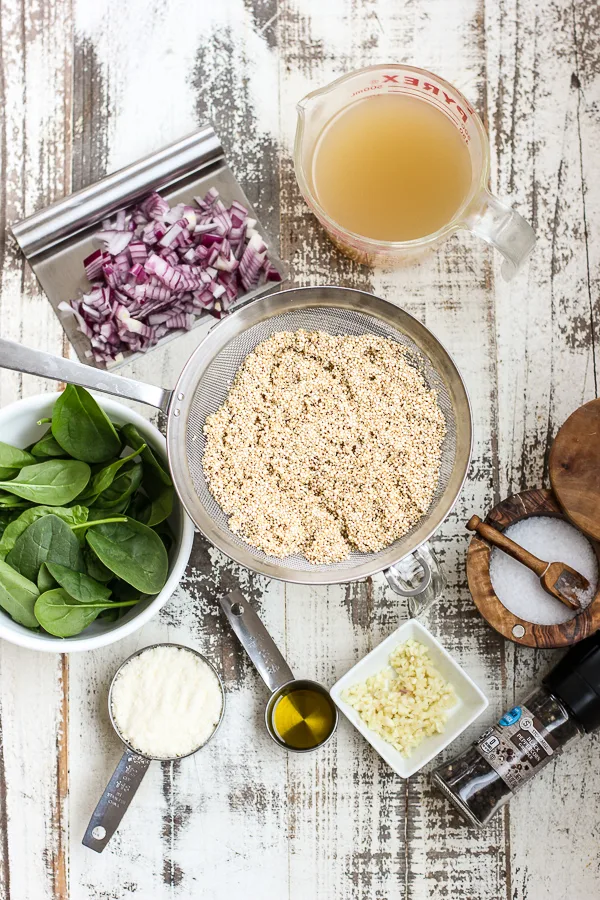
(483, 779)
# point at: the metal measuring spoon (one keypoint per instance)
(132, 767)
(270, 664)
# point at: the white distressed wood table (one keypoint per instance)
(89, 85)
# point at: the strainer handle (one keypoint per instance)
(36, 362)
(401, 576)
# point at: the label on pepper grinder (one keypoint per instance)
(517, 747)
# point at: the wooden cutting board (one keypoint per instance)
(574, 467)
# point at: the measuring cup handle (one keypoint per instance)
(115, 800)
(504, 229)
(256, 640)
(401, 576)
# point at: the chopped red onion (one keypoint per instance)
(115, 240)
(138, 252)
(170, 237)
(253, 261)
(160, 268)
(154, 207)
(93, 265)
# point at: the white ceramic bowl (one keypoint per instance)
(18, 426)
(471, 700)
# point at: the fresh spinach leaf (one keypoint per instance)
(94, 568)
(13, 458)
(124, 485)
(45, 581)
(161, 507)
(80, 586)
(119, 509)
(123, 591)
(54, 482)
(47, 448)
(103, 479)
(166, 535)
(155, 476)
(82, 428)
(133, 552)
(139, 507)
(6, 517)
(48, 539)
(62, 616)
(93, 522)
(152, 512)
(73, 515)
(18, 596)
(79, 530)
(9, 501)
(110, 615)
(7, 474)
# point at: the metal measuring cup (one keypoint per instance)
(132, 767)
(270, 664)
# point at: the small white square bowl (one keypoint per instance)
(471, 701)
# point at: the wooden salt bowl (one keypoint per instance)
(513, 509)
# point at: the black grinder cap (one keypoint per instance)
(576, 681)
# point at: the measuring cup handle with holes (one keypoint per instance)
(419, 577)
(115, 800)
(256, 641)
(271, 666)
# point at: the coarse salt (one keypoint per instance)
(519, 589)
(166, 702)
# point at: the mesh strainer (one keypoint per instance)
(203, 386)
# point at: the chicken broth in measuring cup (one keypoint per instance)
(391, 168)
(393, 160)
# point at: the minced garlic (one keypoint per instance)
(406, 702)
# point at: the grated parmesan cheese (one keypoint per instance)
(166, 702)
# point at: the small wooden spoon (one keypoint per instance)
(558, 579)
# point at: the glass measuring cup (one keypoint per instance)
(272, 667)
(481, 212)
(132, 766)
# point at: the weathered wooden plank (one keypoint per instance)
(35, 85)
(337, 845)
(31, 737)
(544, 344)
(545, 326)
(585, 80)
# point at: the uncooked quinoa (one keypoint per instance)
(325, 444)
(406, 702)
